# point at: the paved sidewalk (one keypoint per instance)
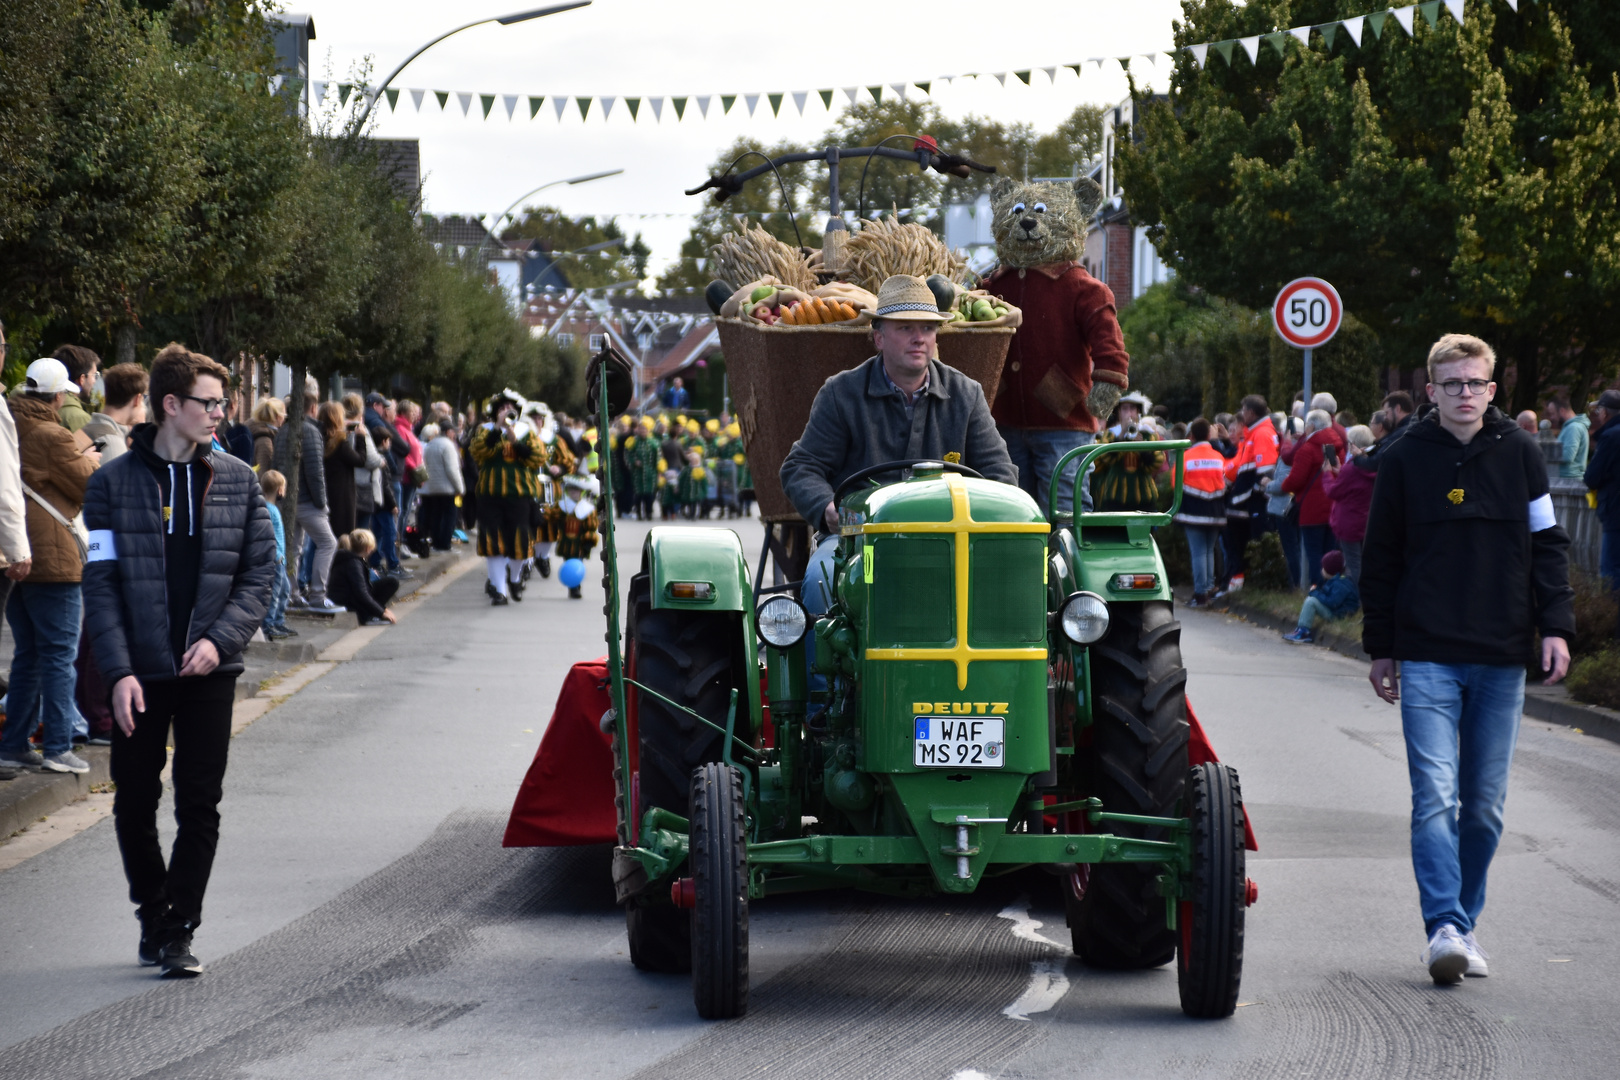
(273, 671)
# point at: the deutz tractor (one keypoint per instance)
(969, 687)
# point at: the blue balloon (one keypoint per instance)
(572, 573)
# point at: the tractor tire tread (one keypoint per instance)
(1210, 967)
(719, 862)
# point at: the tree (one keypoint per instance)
(559, 233)
(1462, 179)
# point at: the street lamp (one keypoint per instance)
(504, 214)
(504, 20)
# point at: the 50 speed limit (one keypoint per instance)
(1307, 312)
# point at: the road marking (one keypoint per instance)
(969, 1074)
(1047, 985)
(1047, 981)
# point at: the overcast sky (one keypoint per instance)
(645, 48)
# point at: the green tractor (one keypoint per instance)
(961, 687)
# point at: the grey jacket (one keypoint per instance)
(311, 462)
(859, 419)
(443, 462)
(108, 435)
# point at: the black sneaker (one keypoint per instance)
(498, 600)
(155, 930)
(9, 774)
(544, 563)
(176, 960)
(489, 589)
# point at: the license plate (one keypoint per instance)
(961, 742)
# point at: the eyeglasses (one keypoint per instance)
(1476, 387)
(209, 404)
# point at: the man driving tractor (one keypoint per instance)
(902, 404)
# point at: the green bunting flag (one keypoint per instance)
(534, 105)
(1279, 42)
(1430, 12)
(393, 99)
(776, 103)
(1224, 48)
(486, 100)
(680, 106)
(876, 92)
(1328, 30)
(344, 90)
(726, 102)
(1023, 77)
(443, 96)
(1377, 21)
(634, 105)
(923, 86)
(826, 98)
(584, 104)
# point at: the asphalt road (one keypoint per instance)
(363, 920)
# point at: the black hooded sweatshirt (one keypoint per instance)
(1463, 561)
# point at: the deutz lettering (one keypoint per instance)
(957, 708)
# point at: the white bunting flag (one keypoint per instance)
(1098, 60)
(275, 83)
(1251, 45)
(799, 97)
(607, 106)
(317, 91)
(899, 89)
(657, 104)
(752, 100)
(700, 264)
(466, 101)
(416, 99)
(1199, 52)
(1456, 9)
(850, 92)
(1302, 34)
(1404, 17)
(1002, 79)
(1051, 74)
(510, 101)
(1514, 4)
(703, 105)
(1356, 28)
(561, 103)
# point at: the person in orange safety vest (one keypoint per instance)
(1202, 515)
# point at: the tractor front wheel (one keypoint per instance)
(1210, 960)
(1137, 764)
(660, 938)
(718, 857)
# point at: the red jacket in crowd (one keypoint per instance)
(1305, 477)
(1351, 493)
(1069, 339)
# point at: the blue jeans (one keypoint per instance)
(1461, 722)
(1313, 611)
(382, 525)
(44, 620)
(1317, 540)
(1036, 454)
(1288, 535)
(275, 616)
(1201, 541)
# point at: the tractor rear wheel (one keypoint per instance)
(660, 938)
(1210, 960)
(693, 658)
(1137, 765)
(718, 859)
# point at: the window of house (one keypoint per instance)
(565, 339)
(598, 341)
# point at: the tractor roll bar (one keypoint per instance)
(1088, 456)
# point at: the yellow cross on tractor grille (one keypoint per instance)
(960, 527)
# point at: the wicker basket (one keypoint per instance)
(776, 371)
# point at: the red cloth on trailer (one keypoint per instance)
(567, 797)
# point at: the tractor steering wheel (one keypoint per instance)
(870, 471)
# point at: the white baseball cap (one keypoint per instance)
(48, 375)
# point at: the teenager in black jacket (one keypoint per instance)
(1463, 565)
(181, 560)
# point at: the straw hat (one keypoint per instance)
(903, 297)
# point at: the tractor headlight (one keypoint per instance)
(1084, 618)
(782, 621)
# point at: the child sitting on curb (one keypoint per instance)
(1335, 598)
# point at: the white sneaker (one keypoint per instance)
(1477, 956)
(67, 761)
(1447, 956)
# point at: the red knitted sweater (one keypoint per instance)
(1069, 338)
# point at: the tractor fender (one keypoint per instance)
(714, 556)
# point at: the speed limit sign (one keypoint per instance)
(1307, 313)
